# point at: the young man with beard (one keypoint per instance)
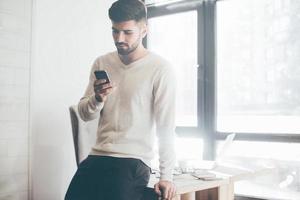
(135, 106)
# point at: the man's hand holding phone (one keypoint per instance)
(102, 86)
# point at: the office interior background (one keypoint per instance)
(237, 63)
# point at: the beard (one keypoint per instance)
(126, 49)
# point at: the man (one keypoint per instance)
(137, 104)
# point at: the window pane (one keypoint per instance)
(175, 38)
(258, 45)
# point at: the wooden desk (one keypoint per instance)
(191, 188)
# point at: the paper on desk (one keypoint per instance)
(206, 176)
(226, 146)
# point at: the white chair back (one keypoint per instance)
(84, 134)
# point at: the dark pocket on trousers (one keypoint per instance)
(142, 172)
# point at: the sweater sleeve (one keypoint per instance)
(164, 110)
(88, 107)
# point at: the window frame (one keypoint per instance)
(207, 79)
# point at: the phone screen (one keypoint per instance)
(102, 75)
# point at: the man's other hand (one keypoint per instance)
(165, 189)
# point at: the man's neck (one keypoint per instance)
(133, 56)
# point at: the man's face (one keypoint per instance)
(128, 35)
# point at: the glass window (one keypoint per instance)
(175, 38)
(258, 79)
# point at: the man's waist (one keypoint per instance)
(144, 157)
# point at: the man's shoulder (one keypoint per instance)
(158, 58)
(160, 62)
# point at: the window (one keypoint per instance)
(247, 82)
(175, 38)
(258, 90)
(174, 34)
(258, 79)
(248, 76)
(176, 31)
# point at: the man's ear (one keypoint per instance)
(144, 31)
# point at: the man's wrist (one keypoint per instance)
(166, 178)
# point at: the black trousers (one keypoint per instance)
(109, 178)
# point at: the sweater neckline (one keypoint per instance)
(134, 63)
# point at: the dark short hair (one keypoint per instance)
(125, 10)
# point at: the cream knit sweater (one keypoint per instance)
(141, 106)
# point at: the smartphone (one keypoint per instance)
(102, 74)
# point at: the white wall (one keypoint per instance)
(15, 33)
(67, 36)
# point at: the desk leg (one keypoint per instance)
(226, 192)
(209, 194)
(188, 196)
